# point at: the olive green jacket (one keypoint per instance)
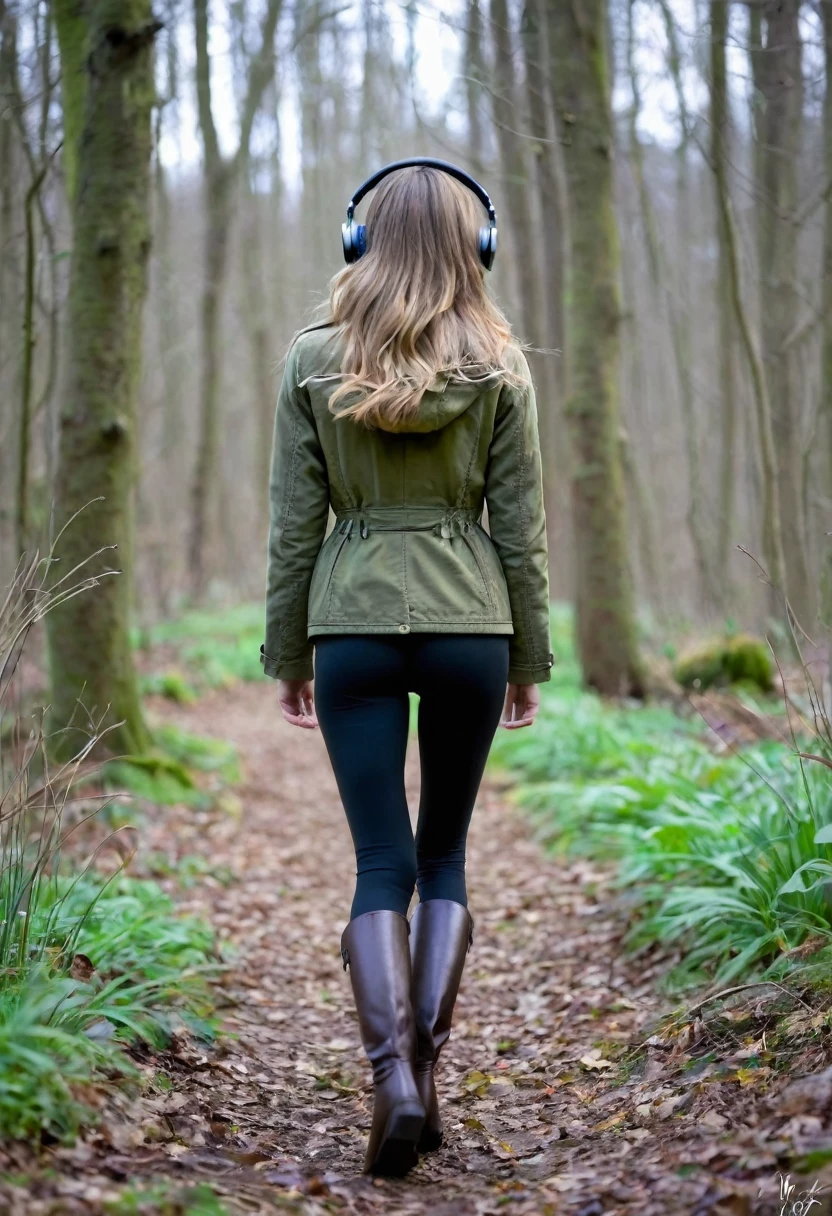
(407, 552)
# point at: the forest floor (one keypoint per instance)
(564, 1087)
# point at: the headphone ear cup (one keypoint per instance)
(354, 241)
(488, 246)
(348, 243)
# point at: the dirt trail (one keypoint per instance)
(537, 1119)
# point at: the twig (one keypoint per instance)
(718, 996)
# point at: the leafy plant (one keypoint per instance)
(725, 857)
(88, 961)
(165, 1198)
(216, 648)
(170, 684)
(166, 775)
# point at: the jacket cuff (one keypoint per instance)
(300, 669)
(519, 673)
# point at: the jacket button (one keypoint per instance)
(404, 629)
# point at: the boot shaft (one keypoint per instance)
(441, 932)
(376, 950)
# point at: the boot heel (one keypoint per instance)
(430, 1139)
(398, 1151)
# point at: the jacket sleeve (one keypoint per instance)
(299, 507)
(517, 524)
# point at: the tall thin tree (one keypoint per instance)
(726, 327)
(670, 307)
(604, 603)
(550, 187)
(779, 76)
(826, 354)
(221, 175)
(515, 171)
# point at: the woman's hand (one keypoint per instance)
(522, 704)
(297, 703)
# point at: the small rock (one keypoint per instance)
(807, 1096)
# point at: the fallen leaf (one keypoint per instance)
(81, 968)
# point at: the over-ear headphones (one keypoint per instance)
(354, 236)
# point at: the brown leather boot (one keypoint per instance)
(440, 933)
(375, 948)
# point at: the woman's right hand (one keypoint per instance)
(297, 703)
(522, 704)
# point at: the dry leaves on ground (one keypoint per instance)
(548, 1108)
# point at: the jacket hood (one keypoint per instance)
(444, 401)
(441, 403)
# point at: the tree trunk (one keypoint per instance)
(221, 177)
(37, 162)
(825, 428)
(771, 529)
(669, 308)
(550, 190)
(726, 327)
(27, 365)
(474, 74)
(93, 681)
(258, 323)
(517, 194)
(72, 27)
(9, 237)
(215, 264)
(605, 618)
(781, 84)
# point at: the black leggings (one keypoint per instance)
(361, 687)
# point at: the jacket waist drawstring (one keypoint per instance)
(454, 521)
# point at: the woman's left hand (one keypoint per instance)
(297, 703)
(522, 704)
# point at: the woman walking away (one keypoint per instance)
(407, 411)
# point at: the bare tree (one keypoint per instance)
(669, 304)
(604, 603)
(474, 75)
(106, 55)
(516, 176)
(550, 187)
(779, 77)
(38, 158)
(221, 176)
(726, 328)
(826, 350)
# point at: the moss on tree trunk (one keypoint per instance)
(605, 618)
(92, 673)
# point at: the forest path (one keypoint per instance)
(536, 1120)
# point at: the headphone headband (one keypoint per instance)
(414, 162)
(354, 236)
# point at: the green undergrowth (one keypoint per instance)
(205, 648)
(89, 965)
(725, 856)
(166, 1198)
(146, 1197)
(182, 768)
(96, 967)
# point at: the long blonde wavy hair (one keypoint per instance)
(415, 309)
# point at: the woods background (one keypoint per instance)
(174, 859)
(712, 354)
